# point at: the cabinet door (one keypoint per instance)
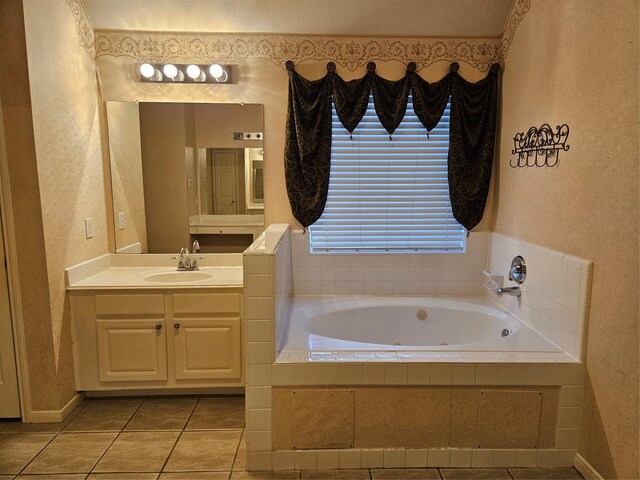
(207, 348)
(132, 350)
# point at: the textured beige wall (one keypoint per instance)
(217, 123)
(165, 176)
(66, 125)
(125, 154)
(27, 211)
(576, 62)
(260, 82)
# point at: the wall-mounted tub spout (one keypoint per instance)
(514, 291)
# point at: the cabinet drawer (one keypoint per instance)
(189, 303)
(130, 304)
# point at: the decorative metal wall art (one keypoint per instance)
(540, 147)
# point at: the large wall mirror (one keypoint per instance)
(186, 171)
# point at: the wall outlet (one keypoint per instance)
(88, 227)
(121, 221)
(247, 136)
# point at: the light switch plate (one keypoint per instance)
(88, 227)
(121, 221)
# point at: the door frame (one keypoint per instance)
(13, 279)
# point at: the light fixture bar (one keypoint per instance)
(184, 73)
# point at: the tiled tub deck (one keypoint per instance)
(395, 409)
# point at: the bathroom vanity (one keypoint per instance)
(139, 324)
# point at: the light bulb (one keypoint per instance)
(216, 71)
(193, 71)
(170, 70)
(147, 71)
(224, 77)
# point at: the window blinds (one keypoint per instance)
(388, 195)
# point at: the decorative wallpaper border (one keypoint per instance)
(84, 27)
(517, 13)
(350, 52)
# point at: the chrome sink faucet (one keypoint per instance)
(184, 262)
(188, 263)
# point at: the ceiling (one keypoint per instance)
(321, 17)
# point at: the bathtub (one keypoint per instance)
(373, 326)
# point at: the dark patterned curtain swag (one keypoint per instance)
(307, 155)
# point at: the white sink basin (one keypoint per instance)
(178, 277)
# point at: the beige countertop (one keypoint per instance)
(117, 272)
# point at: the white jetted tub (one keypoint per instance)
(407, 323)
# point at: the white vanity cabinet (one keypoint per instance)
(171, 339)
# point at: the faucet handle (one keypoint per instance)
(184, 251)
(196, 246)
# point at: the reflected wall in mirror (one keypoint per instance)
(179, 173)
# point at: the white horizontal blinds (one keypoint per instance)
(388, 195)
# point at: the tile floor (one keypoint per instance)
(175, 438)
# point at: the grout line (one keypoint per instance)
(116, 437)
(179, 435)
(55, 435)
(39, 452)
(440, 473)
(235, 455)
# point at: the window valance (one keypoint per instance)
(474, 108)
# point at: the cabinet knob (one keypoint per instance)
(176, 326)
(159, 326)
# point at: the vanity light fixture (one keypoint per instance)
(184, 73)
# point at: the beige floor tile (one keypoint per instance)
(123, 476)
(335, 475)
(475, 474)
(18, 450)
(195, 476)
(218, 413)
(406, 474)
(71, 453)
(204, 451)
(545, 474)
(104, 415)
(19, 427)
(138, 452)
(240, 462)
(285, 475)
(162, 414)
(54, 476)
(7, 477)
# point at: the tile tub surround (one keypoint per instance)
(461, 368)
(555, 295)
(389, 274)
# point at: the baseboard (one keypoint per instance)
(55, 416)
(166, 391)
(585, 468)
